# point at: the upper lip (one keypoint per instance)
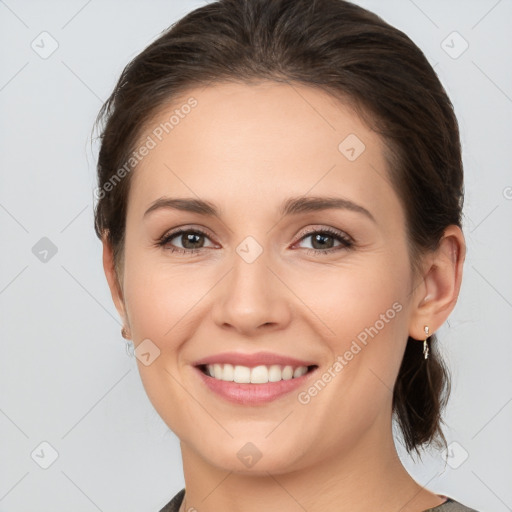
(251, 360)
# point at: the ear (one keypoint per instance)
(112, 279)
(437, 295)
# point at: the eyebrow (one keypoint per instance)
(292, 206)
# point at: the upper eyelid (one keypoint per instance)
(328, 230)
(185, 229)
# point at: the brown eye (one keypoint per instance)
(191, 240)
(322, 241)
(326, 241)
(185, 241)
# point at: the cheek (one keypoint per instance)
(360, 310)
(352, 297)
(159, 298)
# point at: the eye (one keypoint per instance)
(191, 240)
(323, 241)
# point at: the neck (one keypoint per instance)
(368, 476)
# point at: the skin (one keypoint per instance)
(247, 148)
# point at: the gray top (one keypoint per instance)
(450, 505)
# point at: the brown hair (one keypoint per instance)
(356, 57)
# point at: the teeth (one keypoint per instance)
(256, 375)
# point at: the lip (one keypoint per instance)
(252, 360)
(253, 394)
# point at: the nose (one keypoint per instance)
(252, 299)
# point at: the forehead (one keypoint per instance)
(252, 143)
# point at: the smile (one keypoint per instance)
(261, 374)
(261, 384)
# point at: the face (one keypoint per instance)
(263, 275)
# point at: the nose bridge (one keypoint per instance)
(251, 295)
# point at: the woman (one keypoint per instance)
(280, 195)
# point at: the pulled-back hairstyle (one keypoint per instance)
(353, 55)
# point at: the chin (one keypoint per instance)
(256, 459)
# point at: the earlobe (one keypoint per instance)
(441, 284)
(111, 275)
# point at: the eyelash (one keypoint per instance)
(346, 241)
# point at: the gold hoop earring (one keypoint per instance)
(425, 343)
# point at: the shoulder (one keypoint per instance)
(451, 505)
(175, 503)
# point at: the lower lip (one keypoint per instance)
(250, 394)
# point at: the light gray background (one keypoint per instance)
(65, 376)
